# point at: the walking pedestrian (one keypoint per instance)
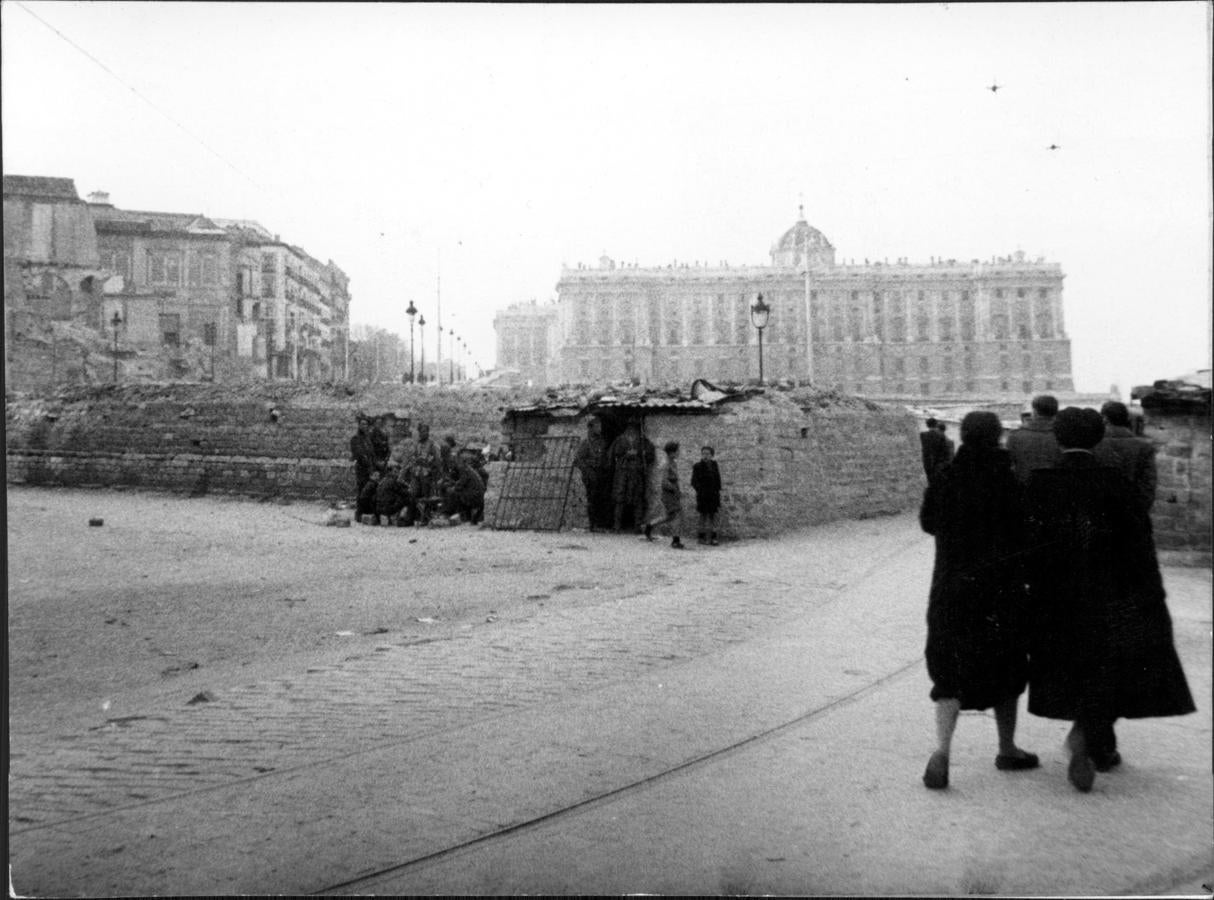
(1102, 636)
(950, 449)
(670, 506)
(1032, 445)
(976, 646)
(1133, 456)
(706, 482)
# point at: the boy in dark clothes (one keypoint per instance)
(706, 482)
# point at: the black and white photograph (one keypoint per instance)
(545, 449)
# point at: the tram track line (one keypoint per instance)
(630, 788)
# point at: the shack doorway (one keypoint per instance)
(600, 509)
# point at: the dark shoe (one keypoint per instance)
(677, 544)
(936, 775)
(713, 540)
(1106, 760)
(1017, 763)
(649, 532)
(1081, 773)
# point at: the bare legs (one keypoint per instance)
(1010, 756)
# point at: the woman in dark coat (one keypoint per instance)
(976, 650)
(1102, 636)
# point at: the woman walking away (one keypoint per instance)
(706, 482)
(1102, 636)
(976, 650)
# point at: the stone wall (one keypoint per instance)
(785, 463)
(1181, 514)
(261, 440)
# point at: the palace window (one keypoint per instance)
(210, 269)
(170, 329)
(193, 270)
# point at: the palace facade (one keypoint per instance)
(946, 328)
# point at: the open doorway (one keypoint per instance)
(602, 508)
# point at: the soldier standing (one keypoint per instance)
(594, 464)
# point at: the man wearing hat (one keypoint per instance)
(1101, 633)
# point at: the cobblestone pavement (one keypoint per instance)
(400, 690)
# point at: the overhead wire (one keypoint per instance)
(136, 92)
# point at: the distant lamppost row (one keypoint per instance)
(759, 314)
(421, 328)
(116, 322)
(411, 312)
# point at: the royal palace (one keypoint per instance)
(946, 328)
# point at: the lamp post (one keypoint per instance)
(759, 314)
(452, 361)
(421, 327)
(115, 322)
(411, 312)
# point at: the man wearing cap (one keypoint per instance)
(1032, 445)
(424, 472)
(1101, 636)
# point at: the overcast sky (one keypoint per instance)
(494, 142)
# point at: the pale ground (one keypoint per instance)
(172, 595)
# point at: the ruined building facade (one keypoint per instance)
(160, 295)
(947, 328)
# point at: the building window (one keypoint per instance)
(193, 271)
(267, 284)
(1020, 293)
(971, 386)
(209, 334)
(948, 365)
(923, 365)
(118, 262)
(268, 263)
(170, 329)
(210, 269)
(998, 293)
(924, 388)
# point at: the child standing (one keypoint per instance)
(706, 482)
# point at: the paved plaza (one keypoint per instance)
(213, 696)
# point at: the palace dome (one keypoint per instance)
(800, 241)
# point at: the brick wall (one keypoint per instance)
(206, 438)
(1181, 514)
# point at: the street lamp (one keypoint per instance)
(452, 360)
(411, 312)
(759, 314)
(115, 322)
(421, 328)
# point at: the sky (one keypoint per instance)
(481, 147)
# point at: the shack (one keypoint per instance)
(788, 459)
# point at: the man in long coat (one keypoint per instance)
(1032, 445)
(934, 447)
(1102, 636)
(363, 454)
(1133, 456)
(594, 465)
(632, 455)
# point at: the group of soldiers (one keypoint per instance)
(416, 480)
